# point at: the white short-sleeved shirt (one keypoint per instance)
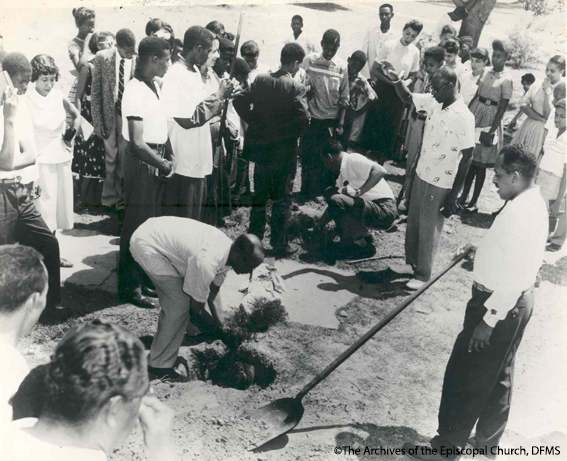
(447, 132)
(24, 130)
(140, 101)
(308, 45)
(469, 86)
(184, 248)
(405, 59)
(49, 123)
(14, 369)
(355, 169)
(17, 445)
(554, 158)
(182, 91)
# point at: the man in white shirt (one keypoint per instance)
(189, 109)
(188, 262)
(23, 293)
(361, 197)
(446, 153)
(300, 37)
(377, 37)
(478, 380)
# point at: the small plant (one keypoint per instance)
(263, 314)
(543, 7)
(524, 50)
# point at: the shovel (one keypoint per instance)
(282, 415)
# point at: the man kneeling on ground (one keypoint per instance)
(361, 197)
(188, 261)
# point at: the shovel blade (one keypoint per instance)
(275, 419)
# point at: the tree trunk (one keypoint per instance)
(479, 11)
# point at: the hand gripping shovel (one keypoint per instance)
(282, 415)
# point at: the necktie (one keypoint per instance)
(120, 87)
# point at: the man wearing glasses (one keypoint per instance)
(446, 153)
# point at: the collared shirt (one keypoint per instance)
(306, 43)
(355, 169)
(260, 69)
(127, 73)
(511, 253)
(183, 90)
(447, 132)
(23, 127)
(140, 102)
(405, 59)
(184, 248)
(554, 159)
(374, 40)
(360, 92)
(329, 80)
(14, 370)
(469, 86)
(49, 123)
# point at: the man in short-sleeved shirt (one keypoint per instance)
(188, 261)
(446, 152)
(375, 38)
(404, 58)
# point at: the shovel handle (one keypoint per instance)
(376, 328)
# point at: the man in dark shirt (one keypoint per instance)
(277, 115)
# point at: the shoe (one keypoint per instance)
(65, 263)
(471, 209)
(138, 300)
(149, 292)
(415, 284)
(422, 452)
(284, 251)
(402, 269)
(166, 375)
(553, 247)
(485, 454)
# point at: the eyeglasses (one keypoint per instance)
(434, 91)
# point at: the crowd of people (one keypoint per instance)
(170, 134)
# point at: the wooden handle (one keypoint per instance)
(376, 328)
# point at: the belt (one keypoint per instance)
(488, 102)
(482, 288)
(155, 146)
(11, 181)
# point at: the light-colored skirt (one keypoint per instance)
(56, 200)
(531, 135)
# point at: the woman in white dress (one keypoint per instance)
(48, 108)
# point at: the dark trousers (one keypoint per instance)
(184, 197)
(314, 177)
(352, 215)
(478, 385)
(21, 222)
(272, 182)
(142, 195)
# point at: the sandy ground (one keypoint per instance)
(387, 393)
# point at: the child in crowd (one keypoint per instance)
(527, 81)
(88, 159)
(447, 33)
(160, 28)
(551, 179)
(299, 36)
(495, 89)
(48, 107)
(251, 53)
(452, 60)
(537, 106)
(466, 45)
(479, 59)
(361, 97)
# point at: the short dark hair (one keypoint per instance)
(92, 363)
(195, 36)
(517, 158)
(435, 52)
(415, 25)
(448, 29)
(215, 27)
(333, 147)
(292, 52)
(225, 44)
(451, 46)
(296, 16)
(16, 63)
(43, 64)
(152, 46)
(93, 43)
(447, 75)
(528, 78)
(82, 15)
(241, 68)
(359, 56)
(559, 104)
(22, 274)
(559, 61)
(249, 48)
(500, 45)
(386, 5)
(125, 37)
(154, 25)
(331, 36)
(481, 53)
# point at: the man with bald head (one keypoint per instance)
(446, 153)
(188, 261)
